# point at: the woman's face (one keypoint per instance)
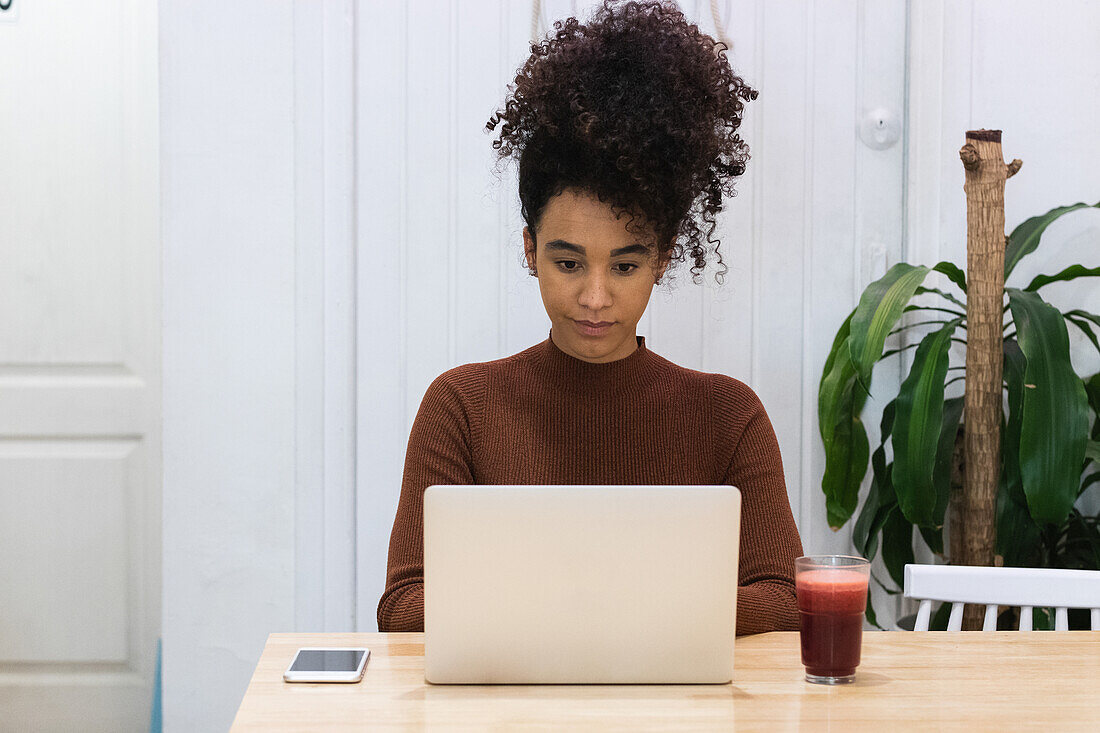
(591, 269)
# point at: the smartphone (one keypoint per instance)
(328, 664)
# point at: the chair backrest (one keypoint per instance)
(1024, 587)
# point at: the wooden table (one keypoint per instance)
(936, 680)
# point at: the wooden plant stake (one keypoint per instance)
(986, 172)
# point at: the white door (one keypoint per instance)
(79, 366)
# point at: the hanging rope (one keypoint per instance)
(536, 21)
(720, 24)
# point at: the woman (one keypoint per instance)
(621, 126)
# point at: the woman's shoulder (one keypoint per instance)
(723, 388)
(463, 379)
(731, 390)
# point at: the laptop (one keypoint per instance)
(580, 584)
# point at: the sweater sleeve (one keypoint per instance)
(439, 452)
(769, 537)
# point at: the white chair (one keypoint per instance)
(1024, 587)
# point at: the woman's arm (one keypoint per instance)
(769, 537)
(438, 452)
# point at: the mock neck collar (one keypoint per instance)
(570, 374)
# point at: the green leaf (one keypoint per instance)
(891, 591)
(839, 404)
(916, 435)
(1025, 238)
(1040, 619)
(887, 502)
(897, 545)
(861, 530)
(871, 617)
(1054, 411)
(881, 497)
(1079, 542)
(953, 273)
(933, 538)
(845, 460)
(1015, 364)
(947, 296)
(1084, 325)
(879, 308)
(1018, 537)
(834, 352)
(1084, 321)
(939, 619)
(941, 474)
(1092, 390)
(1070, 273)
(835, 376)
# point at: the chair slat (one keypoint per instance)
(990, 621)
(923, 614)
(1061, 619)
(1025, 618)
(955, 623)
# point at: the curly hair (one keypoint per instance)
(638, 107)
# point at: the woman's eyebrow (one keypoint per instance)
(561, 244)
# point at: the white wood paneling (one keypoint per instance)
(230, 348)
(79, 367)
(382, 429)
(331, 211)
(817, 207)
(325, 298)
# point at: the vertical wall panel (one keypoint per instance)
(477, 241)
(727, 309)
(785, 124)
(830, 279)
(879, 216)
(380, 189)
(525, 320)
(430, 249)
(227, 129)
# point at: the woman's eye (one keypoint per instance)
(571, 266)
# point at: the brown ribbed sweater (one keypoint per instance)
(544, 417)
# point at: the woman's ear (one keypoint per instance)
(530, 251)
(662, 265)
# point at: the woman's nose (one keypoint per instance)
(595, 293)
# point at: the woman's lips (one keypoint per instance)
(588, 329)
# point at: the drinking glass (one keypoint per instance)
(832, 596)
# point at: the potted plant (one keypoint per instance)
(1048, 441)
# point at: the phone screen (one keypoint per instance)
(327, 660)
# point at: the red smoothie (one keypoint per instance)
(831, 603)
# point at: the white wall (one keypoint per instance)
(228, 207)
(328, 213)
(818, 215)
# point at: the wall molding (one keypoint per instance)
(325, 301)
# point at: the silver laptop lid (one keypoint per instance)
(580, 584)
